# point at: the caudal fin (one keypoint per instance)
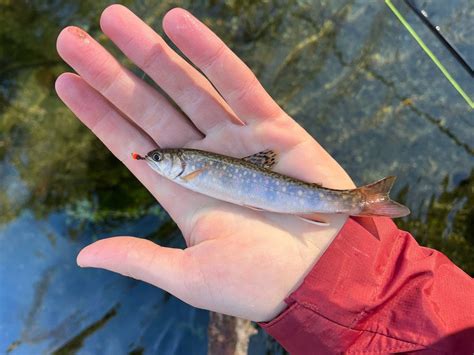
(378, 202)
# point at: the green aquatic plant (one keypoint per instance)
(58, 161)
(449, 223)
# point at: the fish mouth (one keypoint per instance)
(149, 160)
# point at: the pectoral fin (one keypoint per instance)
(313, 218)
(265, 159)
(193, 174)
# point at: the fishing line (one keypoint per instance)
(423, 15)
(430, 53)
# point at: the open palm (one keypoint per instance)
(238, 261)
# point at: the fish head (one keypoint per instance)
(166, 162)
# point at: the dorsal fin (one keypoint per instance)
(264, 159)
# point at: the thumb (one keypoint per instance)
(141, 259)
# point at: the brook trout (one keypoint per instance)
(250, 182)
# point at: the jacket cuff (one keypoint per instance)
(323, 312)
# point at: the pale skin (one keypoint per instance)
(238, 261)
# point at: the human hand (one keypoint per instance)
(239, 261)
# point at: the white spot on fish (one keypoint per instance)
(254, 175)
(284, 189)
(300, 193)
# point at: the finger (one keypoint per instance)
(121, 137)
(131, 95)
(184, 84)
(141, 259)
(232, 78)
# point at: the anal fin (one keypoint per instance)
(313, 218)
(254, 208)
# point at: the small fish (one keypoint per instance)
(250, 182)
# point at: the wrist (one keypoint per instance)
(311, 247)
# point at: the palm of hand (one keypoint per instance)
(238, 261)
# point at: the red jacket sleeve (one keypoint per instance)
(375, 290)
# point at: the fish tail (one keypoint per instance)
(378, 202)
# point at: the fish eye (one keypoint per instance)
(157, 157)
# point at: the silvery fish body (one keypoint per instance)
(250, 182)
